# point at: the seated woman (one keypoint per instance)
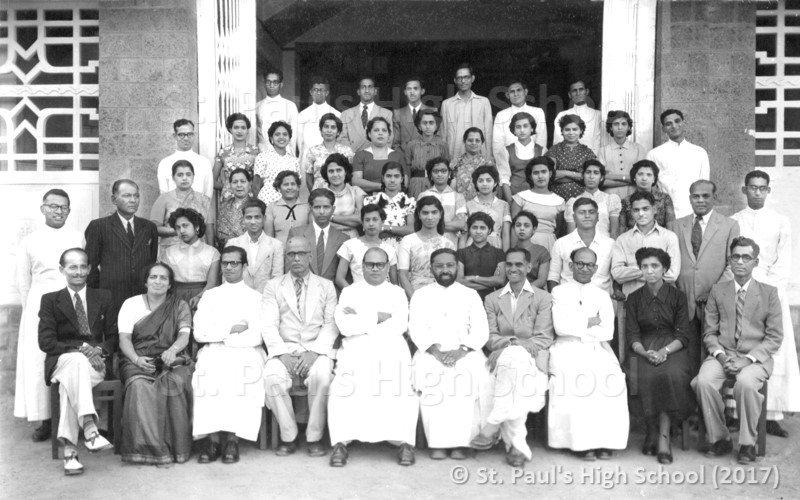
(239, 155)
(273, 161)
(414, 253)
(154, 330)
(513, 163)
(485, 180)
(524, 226)
(351, 253)
(657, 325)
(539, 200)
(230, 222)
(368, 163)
(645, 176)
(570, 155)
(419, 151)
(472, 158)
(289, 210)
(398, 206)
(608, 204)
(338, 174)
(195, 263)
(619, 154)
(330, 126)
(455, 207)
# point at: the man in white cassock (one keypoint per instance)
(371, 398)
(227, 382)
(588, 410)
(448, 325)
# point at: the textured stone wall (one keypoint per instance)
(705, 66)
(148, 79)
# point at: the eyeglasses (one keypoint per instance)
(375, 266)
(273, 83)
(57, 208)
(440, 171)
(584, 265)
(318, 91)
(294, 255)
(739, 257)
(185, 135)
(230, 263)
(463, 78)
(758, 189)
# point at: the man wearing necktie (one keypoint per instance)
(743, 330)
(705, 237)
(355, 119)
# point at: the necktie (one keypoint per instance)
(697, 236)
(739, 313)
(298, 291)
(414, 115)
(130, 233)
(83, 321)
(320, 252)
(365, 116)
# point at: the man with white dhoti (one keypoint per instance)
(588, 410)
(448, 325)
(773, 233)
(227, 381)
(520, 332)
(37, 274)
(371, 398)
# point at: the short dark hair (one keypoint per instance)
(194, 217)
(541, 160)
(319, 80)
(423, 202)
(482, 217)
(321, 193)
(519, 81)
(756, 174)
(414, 78)
(473, 130)
(440, 251)
(392, 165)
(595, 163)
(56, 192)
(570, 118)
(373, 207)
(342, 161)
(274, 72)
(278, 124)
(647, 252)
(180, 123)
(742, 241)
(240, 170)
(234, 249)
(645, 164)
(63, 258)
(485, 169)
(643, 195)
(529, 215)
(523, 251)
(254, 203)
(522, 115)
(668, 112)
(573, 253)
(426, 112)
(282, 175)
(614, 116)
(582, 200)
(234, 117)
(436, 161)
(182, 163)
(120, 182)
(331, 116)
(465, 65)
(170, 274)
(371, 123)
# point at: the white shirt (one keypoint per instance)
(602, 245)
(502, 135)
(318, 230)
(526, 286)
(125, 223)
(449, 316)
(203, 181)
(623, 257)
(773, 233)
(273, 109)
(368, 301)
(80, 293)
(252, 248)
(574, 303)
(703, 220)
(680, 165)
(608, 206)
(227, 305)
(309, 134)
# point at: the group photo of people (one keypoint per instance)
(448, 281)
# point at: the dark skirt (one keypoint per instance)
(665, 388)
(187, 291)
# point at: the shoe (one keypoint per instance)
(775, 429)
(603, 454)
(339, 455)
(481, 442)
(210, 453)
(665, 457)
(588, 456)
(720, 448)
(406, 455)
(515, 458)
(97, 443)
(438, 453)
(231, 455)
(460, 453)
(71, 466)
(650, 446)
(285, 449)
(316, 449)
(42, 433)
(747, 454)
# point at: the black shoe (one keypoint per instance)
(406, 455)
(339, 455)
(285, 449)
(210, 453)
(588, 456)
(775, 429)
(42, 433)
(603, 454)
(650, 446)
(665, 457)
(515, 458)
(720, 448)
(747, 454)
(231, 455)
(316, 449)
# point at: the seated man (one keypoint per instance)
(228, 389)
(78, 332)
(588, 410)
(371, 396)
(520, 331)
(299, 331)
(448, 325)
(743, 331)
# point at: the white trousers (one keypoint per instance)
(76, 377)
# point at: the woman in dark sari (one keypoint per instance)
(155, 329)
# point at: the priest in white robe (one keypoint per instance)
(371, 398)
(773, 233)
(227, 381)
(588, 410)
(448, 325)
(37, 274)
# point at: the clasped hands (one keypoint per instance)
(298, 365)
(447, 358)
(656, 357)
(94, 355)
(732, 366)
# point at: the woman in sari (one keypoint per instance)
(464, 165)
(338, 175)
(230, 221)
(154, 331)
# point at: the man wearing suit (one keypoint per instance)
(78, 332)
(403, 128)
(704, 238)
(520, 332)
(121, 245)
(354, 120)
(264, 253)
(299, 332)
(324, 240)
(743, 331)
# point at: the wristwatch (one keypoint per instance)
(465, 348)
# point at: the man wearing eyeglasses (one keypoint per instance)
(275, 108)
(743, 331)
(184, 135)
(299, 332)
(464, 110)
(773, 233)
(227, 382)
(371, 398)
(308, 133)
(37, 273)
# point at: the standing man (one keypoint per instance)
(593, 136)
(774, 234)
(308, 132)
(355, 119)
(743, 331)
(502, 135)
(78, 332)
(680, 162)
(403, 128)
(184, 140)
(705, 238)
(121, 245)
(37, 274)
(299, 332)
(464, 110)
(323, 239)
(275, 108)
(448, 325)
(264, 253)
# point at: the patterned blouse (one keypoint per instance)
(347, 202)
(397, 210)
(569, 159)
(268, 165)
(230, 221)
(500, 213)
(414, 256)
(665, 211)
(230, 160)
(315, 158)
(462, 171)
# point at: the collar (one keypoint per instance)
(656, 228)
(81, 293)
(125, 223)
(661, 295)
(525, 287)
(412, 108)
(530, 147)
(677, 144)
(183, 246)
(704, 219)
(277, 98)
(370, 106)
(317, 229)
(625, 145)
(258, 241)
(389, 150)
(737, 287)
(305, 277)
(471, 95)
(576, 238)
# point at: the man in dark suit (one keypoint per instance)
(323, 239)
(743, 330)
(354, 120)
(403, 128)
(705, 238)
(78, 332)
(121, 245)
